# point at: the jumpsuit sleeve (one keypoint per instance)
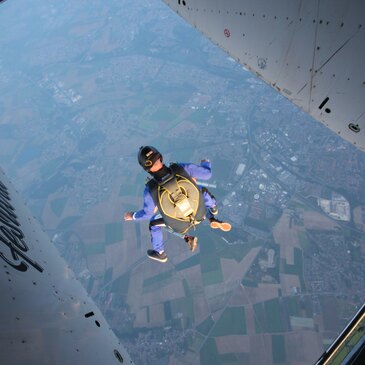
(148, 207)
(202, 171)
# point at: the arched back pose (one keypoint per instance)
(172, 199)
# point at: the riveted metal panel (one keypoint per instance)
(312, 51)
(46, 315)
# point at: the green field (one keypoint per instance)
(95, 248)
(250, 283)
(223, 167)
(184, 306)
(260, 224)
(209, 355)
(260, 320)
(212, 277)
(160, 278)
(187, 290)
(274, 321)
(121, 284)
(67, 222)
(206, 325)
(292, 304)
(278, 349)
(128, 190)
(37, 207)
(179, 312)
(210, 264)
(268, 316)
(303, 240)
(58, 205)
(231, 322)
(238, 252)
(196, 341)
(296, 205)
(188, 263)
(297, 268)
(113, 232)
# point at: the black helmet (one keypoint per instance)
(147, 156)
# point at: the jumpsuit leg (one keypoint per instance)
(212, 211)
(209, 202)
(155, 227)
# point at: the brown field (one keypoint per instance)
(303, 347)
(240, 297)
(157, 315)
(180, 128)
(287, 282)
(250, 320)
(113, 257)
(194, 278)
(201, 308)
(96, 264)
(102, 213)
(170, 291)
(189, 358)
(315, 220)
(49, 219)
(92, 233)
(141, 318)
(233, 344)
(236, 271)
(218, 293)
(262, 292)
(283, 235)
(260, 350)
(229, 267)
(135, 288)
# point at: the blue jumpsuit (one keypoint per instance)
(202, 172)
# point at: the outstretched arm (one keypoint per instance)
(147, 211)
(202, 171)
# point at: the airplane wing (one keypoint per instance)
(312, 51)
(46, 315)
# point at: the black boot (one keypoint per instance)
(154, 255)
(213, 210)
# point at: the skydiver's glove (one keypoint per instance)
(128, 216)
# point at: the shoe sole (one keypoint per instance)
(194, 245)
(156, 259)
(223, 226)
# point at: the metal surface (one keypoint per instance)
(312, 51)
(346, 349)
(46, 315)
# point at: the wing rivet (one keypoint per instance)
(118, 356)
(354, 128)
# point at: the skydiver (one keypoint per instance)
(172, 199)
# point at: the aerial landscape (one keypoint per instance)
(83, 85)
